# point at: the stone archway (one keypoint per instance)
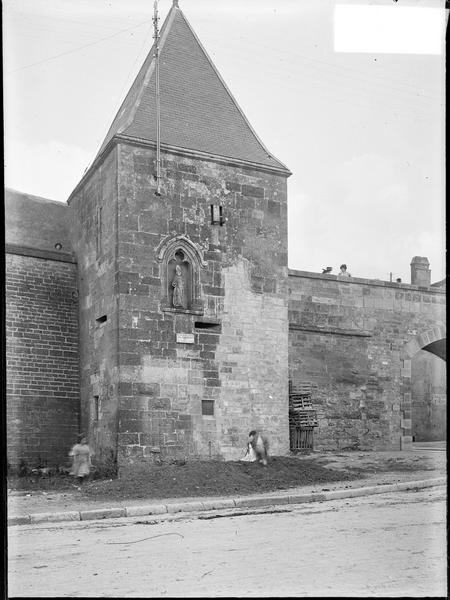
(431, 340)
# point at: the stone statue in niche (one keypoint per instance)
(181, 261)
(179, 275)
(179, 295)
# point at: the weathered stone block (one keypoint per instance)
(253, 191)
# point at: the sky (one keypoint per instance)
(353, 104)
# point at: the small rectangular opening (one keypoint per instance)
(205, 325)
(217, 214)
(208, 408)
(102, 319)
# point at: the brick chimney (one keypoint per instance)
(420, 271)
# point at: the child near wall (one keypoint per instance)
(81, 455)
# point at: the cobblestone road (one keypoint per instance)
(383, 545)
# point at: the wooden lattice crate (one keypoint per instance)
(300, 402)
(303, 418)
(300, 387)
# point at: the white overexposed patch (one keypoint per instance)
(391, 29)
(51, 169)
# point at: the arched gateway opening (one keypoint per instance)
(424, 387)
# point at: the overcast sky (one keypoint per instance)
(361, 131)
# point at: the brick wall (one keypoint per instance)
(347, 338)
(42, 360)
(240, 363)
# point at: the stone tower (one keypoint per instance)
(420, 271)
(183, 296)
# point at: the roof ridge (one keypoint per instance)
(198, 111)
(227, 90)
(203, 154)
(28, 195)
(145, 72)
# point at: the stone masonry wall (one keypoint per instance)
(232, 351)
(346, 338)
(41, 360)
(94, 230)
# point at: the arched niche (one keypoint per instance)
(181, 261)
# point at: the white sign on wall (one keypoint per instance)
(185, 338)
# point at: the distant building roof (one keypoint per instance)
(35, 222)
(440, 284)
(198, 111)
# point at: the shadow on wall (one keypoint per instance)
(429, 397)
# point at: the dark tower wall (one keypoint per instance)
(94, 230)
(224, 353)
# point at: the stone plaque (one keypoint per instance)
(185, 338)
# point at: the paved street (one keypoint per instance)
(383, 545)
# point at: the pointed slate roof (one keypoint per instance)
(198, 112)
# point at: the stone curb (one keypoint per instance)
(220, 503)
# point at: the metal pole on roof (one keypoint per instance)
(158, 107)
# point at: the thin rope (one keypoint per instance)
(147, 538)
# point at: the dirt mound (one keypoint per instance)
(210, 478)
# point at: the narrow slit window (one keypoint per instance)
(208, 408)
(216, 214)
(101, 319)
(99, 230)
(96, 408)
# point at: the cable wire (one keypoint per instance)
(40, 62)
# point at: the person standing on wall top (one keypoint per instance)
(343, 272)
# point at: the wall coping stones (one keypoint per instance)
(363, 281)
(39, 253)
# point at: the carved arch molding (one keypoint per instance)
(418, 342)
(180, 263)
